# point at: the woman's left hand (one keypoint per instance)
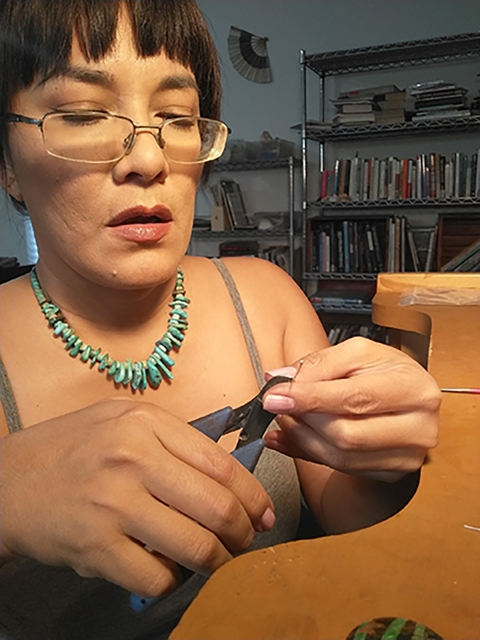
(360, 407)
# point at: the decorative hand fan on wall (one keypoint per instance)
(249, 56)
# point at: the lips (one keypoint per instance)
(142, 225)
(142, 215)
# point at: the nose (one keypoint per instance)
(144, 160)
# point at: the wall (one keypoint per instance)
(315, 26)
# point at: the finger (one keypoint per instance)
(349, 358)
(279, 441)
(360, 395)
(202, 499)
(369, 433)
(129, 565)
(352, 459)
(206, 457)
(175, 536)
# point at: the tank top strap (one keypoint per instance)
(8, 401)
(242, 317)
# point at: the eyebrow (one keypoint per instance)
(107, 80)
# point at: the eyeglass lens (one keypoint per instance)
(97, 137)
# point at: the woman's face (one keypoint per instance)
(125, 224)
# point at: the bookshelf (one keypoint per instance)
(442, 204)
(204, 239)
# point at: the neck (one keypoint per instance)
(107, 308)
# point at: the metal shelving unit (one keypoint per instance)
(344, 308)
(289, 164)
(399, 54)
(450, 125)
(405, 203)
(366, 59)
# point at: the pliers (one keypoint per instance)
(253, 420)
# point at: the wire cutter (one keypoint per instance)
(253, 420)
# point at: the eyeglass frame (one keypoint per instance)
(18, 118)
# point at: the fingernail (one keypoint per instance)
(268, 520)
(289, 372)
(278, 404)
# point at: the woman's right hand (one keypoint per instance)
(92, 488)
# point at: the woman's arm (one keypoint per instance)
(361, 416)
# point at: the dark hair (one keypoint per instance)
(36, 41)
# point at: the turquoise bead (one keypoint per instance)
(180, 312)
(177, 343)
(59, 327)
(76, 348)
(112, 368)
(128, 372)
(137, 375)
(119, 373)
(95, 356)
(85, 353)
(104, 362)
(176, 333)
(154, 375)
(181, 326)
(165, 342)
(164, 370)
(143, 381)
(70, 342)
(164, 356)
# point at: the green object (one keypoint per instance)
(392, 629)
(139, 374)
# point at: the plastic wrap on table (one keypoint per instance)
(440, 296)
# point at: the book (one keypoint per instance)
(413, 250)
(369, 91)
(431, 249)
(353, 118)
(234, 204)
(459, 261)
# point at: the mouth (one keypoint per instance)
(142, 216)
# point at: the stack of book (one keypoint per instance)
(392, 108)
(370, 246)
(348, 246)
(361, 106)
(340, 294)
(239, 248)
(354, 111)
(438, 100)
(429, 175)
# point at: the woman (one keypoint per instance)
(102, 476)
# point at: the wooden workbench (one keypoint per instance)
(422, 564)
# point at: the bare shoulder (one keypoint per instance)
(12, 290)
(274, 301)
(264, 281)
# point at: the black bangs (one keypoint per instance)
(36, 36)
(36, 41)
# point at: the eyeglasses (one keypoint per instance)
(98, 136)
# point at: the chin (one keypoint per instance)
(130, 273)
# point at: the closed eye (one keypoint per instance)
(82, 118)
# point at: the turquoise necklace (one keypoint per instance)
(137, 374)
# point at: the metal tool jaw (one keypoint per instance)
(250, 418)
(253, 420)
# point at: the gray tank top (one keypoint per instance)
(40, 602)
